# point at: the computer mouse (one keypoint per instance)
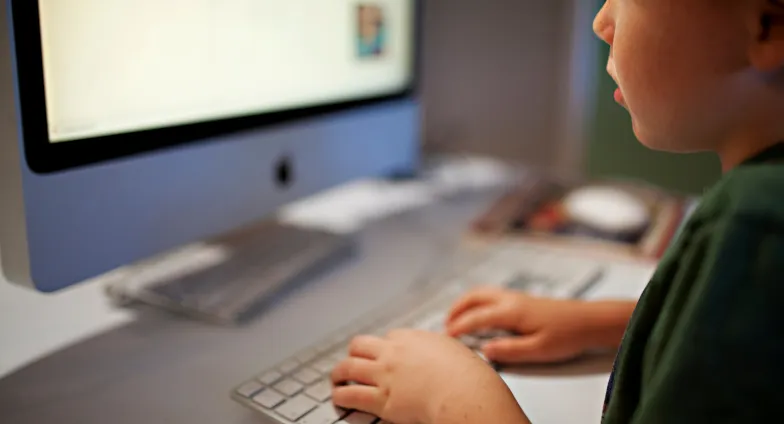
(607, 209)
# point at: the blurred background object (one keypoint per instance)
(493, 74)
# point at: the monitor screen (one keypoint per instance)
(119, 66)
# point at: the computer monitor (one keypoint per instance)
(131, 127)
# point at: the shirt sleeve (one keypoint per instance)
(717, 354)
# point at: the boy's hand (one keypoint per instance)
(416, 377)
(549, 330)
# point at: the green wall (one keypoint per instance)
(615, 152)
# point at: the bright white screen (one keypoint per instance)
(115, 66)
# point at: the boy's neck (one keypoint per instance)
(739, 150)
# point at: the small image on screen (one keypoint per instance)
(371, 31)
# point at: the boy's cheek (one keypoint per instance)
(652, 99)
(672, 73)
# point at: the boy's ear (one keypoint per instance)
(767, 53)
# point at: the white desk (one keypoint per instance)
(33, 326)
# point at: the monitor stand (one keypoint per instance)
(229, 279)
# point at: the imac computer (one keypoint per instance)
(132, 127)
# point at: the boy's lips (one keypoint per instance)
(619, 97)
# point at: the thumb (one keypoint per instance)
(515, 350)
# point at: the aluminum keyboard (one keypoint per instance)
(298, 390)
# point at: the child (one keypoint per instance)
(706, 341)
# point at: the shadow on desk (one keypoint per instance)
(592, 364)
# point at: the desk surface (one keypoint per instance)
(152, 367)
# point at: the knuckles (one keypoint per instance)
(389, 367)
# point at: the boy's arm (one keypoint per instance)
(492, 402)
(607, 322)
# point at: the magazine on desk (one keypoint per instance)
(540, 208)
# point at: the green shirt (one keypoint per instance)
(706, 341)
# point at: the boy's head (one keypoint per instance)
(698, 74)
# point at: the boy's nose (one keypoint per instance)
(603, 25)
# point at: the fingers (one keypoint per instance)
(473, 299)
(480, 319)
(355, 370)
(517, 350)
(367, 347)
(362, 398)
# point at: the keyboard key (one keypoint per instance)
(380, 331)
(321, 391)
(307, 356)
(296, 407)
(492, 274)
(433, 322)
(249, 389)
(306, 376)
(470, 341)
(324, 366)
(324, 347)
(339, 354)
(288, 366)
(270, 377)
(289, 387)
(269, 398)
(543, 290)
(339, 339)
(486, 335)
(324, 414)
(359, 418)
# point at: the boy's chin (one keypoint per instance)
(654, 141)
(644, 137)
(678, 140)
